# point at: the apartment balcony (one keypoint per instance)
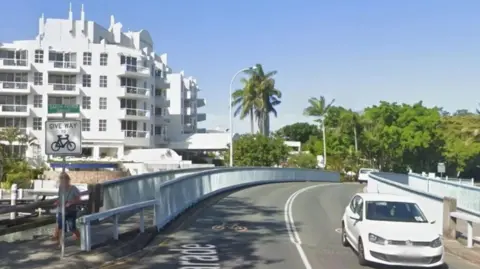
(201, 117)
(134, 71)
(23, 131)
(63, 67)
(162, 101)
(134, 92)
(161, 139)
(63, 89)
(136, 138)
(9, 87)
(14, 110)
(161, 83)
(201, 102)
(11, 64)
(162, 119)
(135, 114)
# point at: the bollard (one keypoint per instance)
(13, 200)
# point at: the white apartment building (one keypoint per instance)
(128, 96)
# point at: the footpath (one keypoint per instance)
(35, 248)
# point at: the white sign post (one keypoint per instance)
(63, 138)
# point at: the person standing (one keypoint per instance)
(72, 199)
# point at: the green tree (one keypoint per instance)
(303, 160)
(266, 96)
(478, 109)
(300, 131)
(244, 100)
(318, 108)
(259, 150)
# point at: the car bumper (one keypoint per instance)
(404, 256)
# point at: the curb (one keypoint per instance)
(463, 253)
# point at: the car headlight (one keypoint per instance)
(436, 243)
(376, 239)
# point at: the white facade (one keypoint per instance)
(128, 96)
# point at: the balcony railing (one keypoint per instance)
(64, 87)
(22, 131)
(14, 108)
(14, 85)
(136, 90)
(14, 62)
(135, 134)
(64, 64)
(136, 112)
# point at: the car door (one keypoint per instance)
(357, 224)
(349, 211)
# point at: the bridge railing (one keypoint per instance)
(175, 196)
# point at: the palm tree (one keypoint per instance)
(266, 96)
(244, 100)
(318, 108)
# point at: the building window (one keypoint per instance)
(103, 103)
(87, 58)
(103, 59)
(37, 124)
(151, 129)
(62, 100)
(39, 56)
(102, 125)
(37, 101)
(37, 78)
(85, 125)
(87, 81)
(103, 81)
(86, 102)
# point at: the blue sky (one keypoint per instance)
(358, 52)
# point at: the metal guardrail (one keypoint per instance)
(171, 198)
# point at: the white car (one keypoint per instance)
(391, 230)
(363, 174)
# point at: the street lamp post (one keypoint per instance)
(231, 111)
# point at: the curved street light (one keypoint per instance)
(231, 110)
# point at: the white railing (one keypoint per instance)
(86, 221)
(136, 90)
(135, 134)
(172, 197)
(14, 62)
(64, 64)
(64, 87)
(14, 85)
(136, 68)
(137, 112)
(14, 108)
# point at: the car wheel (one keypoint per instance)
(344, 236)
(361, 254)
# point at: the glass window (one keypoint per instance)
(394, 211)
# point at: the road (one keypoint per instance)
(266, 244)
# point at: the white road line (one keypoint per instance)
(290, 223)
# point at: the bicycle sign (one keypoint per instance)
(63, 137)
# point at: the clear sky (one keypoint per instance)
(358, 52)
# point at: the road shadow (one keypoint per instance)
(239, 248)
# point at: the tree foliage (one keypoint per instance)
(258, 98)
(258, 150)
(300, 131)
(395, 137)
(302, 160)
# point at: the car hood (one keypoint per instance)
(404, 231)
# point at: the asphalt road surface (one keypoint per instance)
(265, 238)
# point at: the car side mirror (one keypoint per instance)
(356, 217)
(433, 222)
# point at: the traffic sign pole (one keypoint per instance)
(64, 115)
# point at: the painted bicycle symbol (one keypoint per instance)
(234, 227)
(62, 142)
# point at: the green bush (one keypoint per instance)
(303, 160)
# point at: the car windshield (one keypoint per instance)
(394, 211)
(364, 171)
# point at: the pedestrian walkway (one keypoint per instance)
(35, 249)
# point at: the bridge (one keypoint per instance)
(232, 218)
